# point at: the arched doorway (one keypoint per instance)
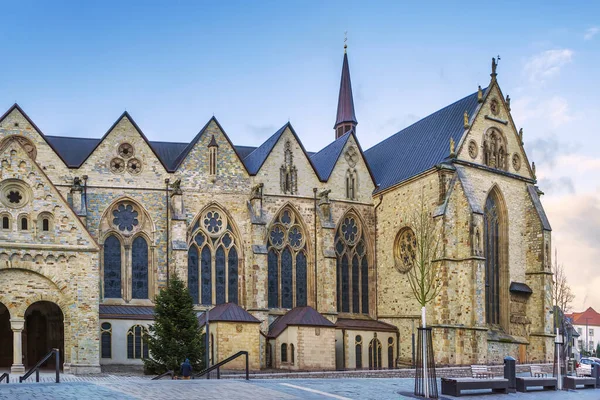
(44, 331)
(6, 338)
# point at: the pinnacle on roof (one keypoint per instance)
(346, 118)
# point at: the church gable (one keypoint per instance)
(350, 178)
(34, 214)
(491, 137)
(124, 157)
(15, 123)
(210, 158)
(286, 168)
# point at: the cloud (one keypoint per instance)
(546, 151)
(547, 64)
(554, 110)
(591, 32)
(557, 186)
(261, 132)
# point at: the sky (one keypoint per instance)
(74, 67)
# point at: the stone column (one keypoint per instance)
(17, 325)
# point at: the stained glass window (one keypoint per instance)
(125, 217)
(492, 262)
(112, 267)
(352, 266)
(284, 357)
(139, 268)
(287, 261)
(214, 241)
(358, 352)
(106, 340)
(137, 346)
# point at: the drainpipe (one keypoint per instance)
(168, 226)
(376, 266)
(85, 178)
(315, 234)
(343, 349)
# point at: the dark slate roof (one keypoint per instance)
(518, 287)
(535, 198)
(73, 150)
(256, 159)
(126, 312)
(228, 312)
(420, 146)
(168, 152)
(365, 325)
(325, 160)
(299, 316)
(345, 110)
(243, 151)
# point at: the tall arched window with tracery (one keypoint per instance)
(213, 259)
(287, 261)
(352, 266)
(494, 241)
(112, 267)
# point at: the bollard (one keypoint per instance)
(510, 373)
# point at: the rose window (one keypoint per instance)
(134, 166)
(295, 237)
(117, 165)
(405, 251)
(277, 235)
(14, 197)
(125, 217)
(213, 222)
(126, 150)
(350, 230)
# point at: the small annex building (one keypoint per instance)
(232, 329)
(365, 343)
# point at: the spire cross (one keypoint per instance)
(345, 40)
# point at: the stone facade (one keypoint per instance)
(123, 207)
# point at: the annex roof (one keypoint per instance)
(364, 325)
(126, 312)
(420, 146)
(227, 312)
(299, 316)
(588, 317)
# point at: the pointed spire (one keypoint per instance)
(346, 119)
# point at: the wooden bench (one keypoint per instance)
(481, 371)
(526, 382)
(454, 386)
(536, 371)
(571, 382)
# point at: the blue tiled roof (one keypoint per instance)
(168, 152)
(73, 150)
(243, 151)
(420, 146)
(325, 160)
(256, 159)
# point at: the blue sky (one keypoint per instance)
(76, 66)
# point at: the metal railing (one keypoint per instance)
(218, 366)
(36, 367)
(3, 376)
(169, 373)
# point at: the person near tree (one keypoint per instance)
(186, 369)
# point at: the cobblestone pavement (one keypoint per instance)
(111, 387)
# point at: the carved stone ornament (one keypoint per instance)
(351, 156)
(405, 249)
(495, 107)
(473, 150)
(15, 193)
(516, 162)
(117, 165)
(126, 150)
(27, 145)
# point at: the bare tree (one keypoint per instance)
(561, 291)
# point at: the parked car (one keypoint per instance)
(584, 368)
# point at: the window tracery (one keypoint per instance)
(213, 261)
(494, 150)
(287, 262)
(137, 342)
(106, 340)
(375, 354)
(358, 351)
(405, 248)
(495, 270)
(288, 172)
(352, 266)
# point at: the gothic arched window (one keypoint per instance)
(112, 267)
(139, 268)
(287, 262)
(494, 244)
(494, 150)
(213, 261)
(137, 343)
(375, 354)
(358, 351)
(284, 357)
(390, 353)
(351, 184)
(352, 266)
(106, 340)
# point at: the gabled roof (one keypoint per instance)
(299, 316)
(139, 131)
(345, 110)
(365, 325)
(421, 146)
(228, 312)
(255, 160)
(588, 317)
(325, 160)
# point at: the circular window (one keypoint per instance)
(214, 222)
(516, 162)
(473, 151)
(350, 231)
(125, 217)
(117, 165)
(134, 166)
(126, 150)
(405, 249)
(15, 194)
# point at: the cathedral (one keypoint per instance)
(294, 256)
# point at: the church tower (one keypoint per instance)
(346, 119)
